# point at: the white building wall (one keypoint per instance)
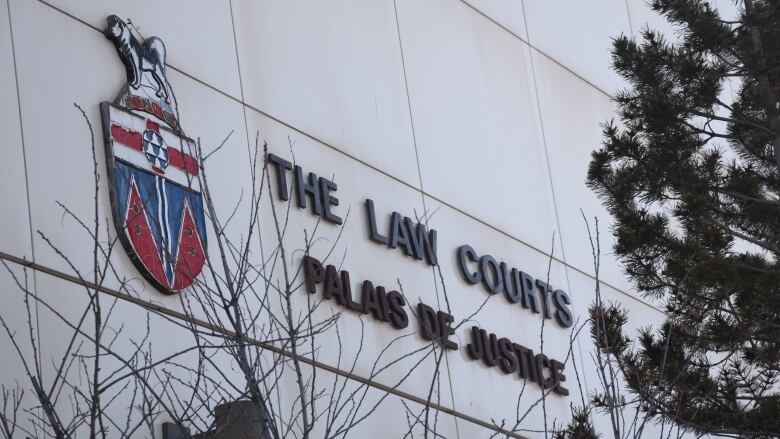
(482, 113)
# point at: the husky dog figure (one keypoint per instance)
(138, 57)
(154, 188)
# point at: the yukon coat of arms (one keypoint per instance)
(152, 168)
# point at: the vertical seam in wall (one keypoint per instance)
(630, 21)
(549, 170)
(408, 98)
(21, 128)
(544, 135)
(26, 178)
(240, 83)
(422, 197)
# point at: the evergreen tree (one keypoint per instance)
(580, 426)
(691, 175)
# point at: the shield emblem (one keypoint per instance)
(156, 200)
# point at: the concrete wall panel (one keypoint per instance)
(198, 35)
(476, 122)
(15, 236)
(334, 71)
(578, 35)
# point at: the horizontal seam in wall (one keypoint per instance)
(179, 315)
(540, 51)
(487, 17)
(385, 173)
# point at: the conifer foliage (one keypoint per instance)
(691, 175)
(580, 426)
